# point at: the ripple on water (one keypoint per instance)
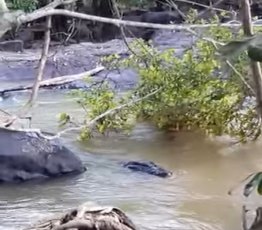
(139, 194)
(194, 199)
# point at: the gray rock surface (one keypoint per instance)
(77, 58)
(27, 155)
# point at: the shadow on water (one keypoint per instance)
(195, 197)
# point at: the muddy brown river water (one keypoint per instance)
(195, 197)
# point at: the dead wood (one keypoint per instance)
(56, 81)
(88, 217)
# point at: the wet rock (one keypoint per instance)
(177, 40)
(28, 155)
(73, 85)
(12, 46)
(65, 60)
(122, 79)
(147, 167)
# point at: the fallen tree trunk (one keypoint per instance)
(56, 81)
(88, 216)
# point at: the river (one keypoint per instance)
(195, 197)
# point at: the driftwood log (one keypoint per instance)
(88, 216)
(55, 81)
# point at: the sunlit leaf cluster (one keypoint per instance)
(98, 100)
(25, 5)
(193, 96)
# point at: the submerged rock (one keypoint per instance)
(27, 155)
(147, 167)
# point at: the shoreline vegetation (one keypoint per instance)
(218, 100)
(209, 87)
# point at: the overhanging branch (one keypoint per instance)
(118, 22)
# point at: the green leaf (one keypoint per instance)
(255, 52)
(259, 188)
(64, 118)
(235, 47)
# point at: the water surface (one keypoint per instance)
(194, 198)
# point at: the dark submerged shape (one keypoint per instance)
(89, 216)
(12, 46)
(28, 155)
(162, 17)
(147, 167)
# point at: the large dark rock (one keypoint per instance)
(12, 46)
(27, 155)
(162, 17)
(147, 167)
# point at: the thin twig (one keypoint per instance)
(204, 6)
(123, 32)
(240, 76)
(227, 61)
(91, 123)
(209, 9)
(39, 76)
(42, 63)
(173, 4)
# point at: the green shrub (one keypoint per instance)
(25, 5)
(194, 93)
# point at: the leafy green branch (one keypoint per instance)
(99, 120)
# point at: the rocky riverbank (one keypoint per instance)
(64, 60)
(78, 58)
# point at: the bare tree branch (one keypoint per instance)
(91, 123)
(42, 63)
(39, 76)
(57, 80)
(209, 9)
(205, 6)
(49, 12)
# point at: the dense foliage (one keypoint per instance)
(25, 5)
(98, 100)
(196, 91)
(30, 5)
